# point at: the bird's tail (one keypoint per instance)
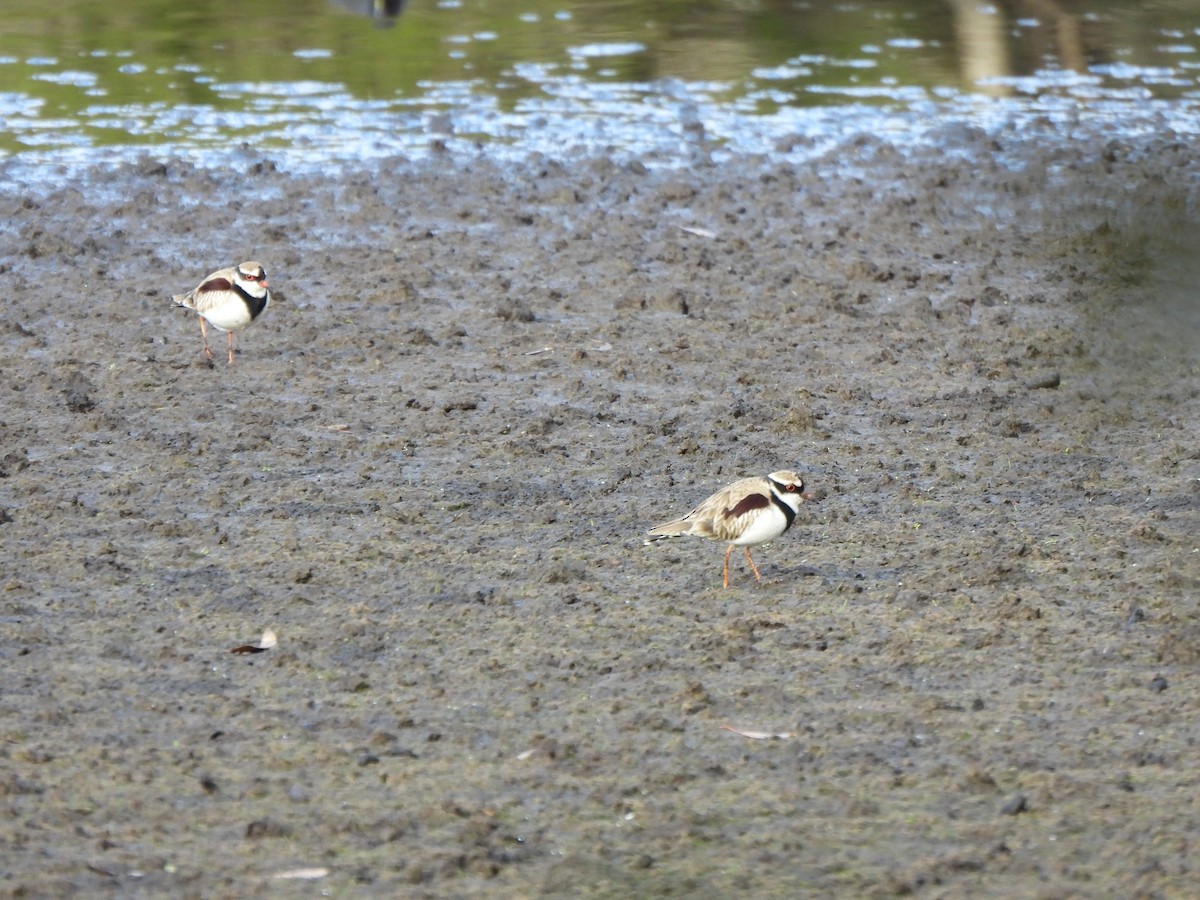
(182, 301)
(667, 529)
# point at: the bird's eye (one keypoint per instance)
(791, 488)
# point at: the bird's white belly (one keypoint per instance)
(769, 524)
(232, 316)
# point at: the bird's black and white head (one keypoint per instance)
(788, 488)
(251, 278)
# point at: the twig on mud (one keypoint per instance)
(302, 874)
(760, 735)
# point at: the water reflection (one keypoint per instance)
(1065, 31)
(383, 12)
(303, 76)
(1039, 34)
(982, 40)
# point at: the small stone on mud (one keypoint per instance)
(1015, 806)
(266, 828)
(1044, 380)
(77, 392)
(514, 311)
(672, 300)
(419, 337)
(12, 463)
(979, 781)
(151, 168)
(694, 699)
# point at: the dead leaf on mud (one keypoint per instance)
(266, 642)
(760, 735)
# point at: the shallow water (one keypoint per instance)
(317, 83)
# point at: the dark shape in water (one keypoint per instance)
(384, 12)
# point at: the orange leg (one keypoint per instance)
(204, 337)
(231, 348)
(750, 560)
(728, 550)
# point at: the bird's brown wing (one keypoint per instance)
(746, 504)
(734, 520)
(220, 283)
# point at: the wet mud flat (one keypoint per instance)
(970, 668)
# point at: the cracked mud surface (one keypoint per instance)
(430, 470)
